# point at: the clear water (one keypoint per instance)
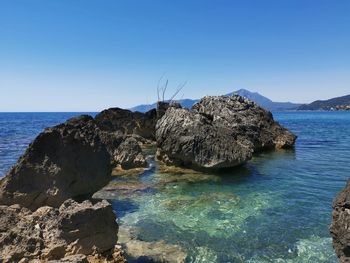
(276, 208)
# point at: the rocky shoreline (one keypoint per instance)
(47, 209)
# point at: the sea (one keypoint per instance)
(275, 208)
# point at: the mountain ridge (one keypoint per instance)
(337, 103)
(254, 96)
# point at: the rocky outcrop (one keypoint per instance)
(38, 220)
(218, 132)
(66, 161)
(123, 131)
(74, 232)
(186, 138)
(128, 122)
(247, 121)
(163, 106)
(129, 154)
(340, 224)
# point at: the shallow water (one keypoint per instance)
(276, 208)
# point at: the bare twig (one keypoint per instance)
(158, 86)
(179, 88)
(165, 87)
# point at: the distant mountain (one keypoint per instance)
(339, 103)
(264, 102)
(254, 96)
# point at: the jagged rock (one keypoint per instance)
(163, 106)
(129, 154)
(340, 224)
(247, 121)
(73, 230)
(186, 138)
(128, 122)
(218, 132)
(65, 161)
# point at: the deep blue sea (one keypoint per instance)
(276, 208)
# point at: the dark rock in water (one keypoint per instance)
(68, 233)
(339, 229)
(66, 161)
(128, 122)
(187, 138)
(129, 154)
(122, 131)
(247, 121)
(219, 132)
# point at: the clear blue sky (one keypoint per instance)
(81, 55)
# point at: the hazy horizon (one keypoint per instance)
(91, 55)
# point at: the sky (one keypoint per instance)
(83, 55)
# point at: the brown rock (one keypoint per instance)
(66, 161)
(57, 233)
(339, 229)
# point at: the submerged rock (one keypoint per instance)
(155, 252)
(68, 233)
(65, 161)
(339, 229)
(218, 132)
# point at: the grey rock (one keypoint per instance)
(218, 132)
(247, 121)
(340, 224)
(190, 139)
(55, 233)
(162, 107)
(129, 154)
(66, 161)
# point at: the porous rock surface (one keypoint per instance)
(129, 154)
(66, 234)
(218, 132)
(247, 121)
(339, 229)
(128, 122)
(65, 161)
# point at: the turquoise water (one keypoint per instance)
(276, 208)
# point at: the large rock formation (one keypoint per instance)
(128, 122)
(186, 138)
(339, 229)
(122, 131)
(129, 154)
(66, 161)
(49, 233)
(247, 121)
(218, 132)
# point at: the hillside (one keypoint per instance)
(338, 103)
